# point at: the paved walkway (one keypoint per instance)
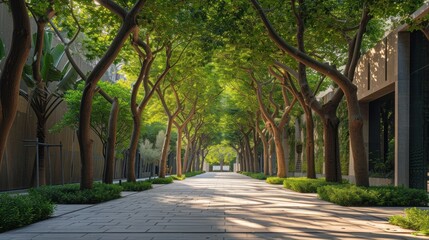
(216, 206)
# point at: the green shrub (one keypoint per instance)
(305, 185)
(259, 176)
(275, 180)
(136, 186)
(20, 210)
(165, 180)
(194, 173)
(175, 177)
(415, 219)
(71, 194)
(351, 195)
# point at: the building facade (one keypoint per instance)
(393, 90)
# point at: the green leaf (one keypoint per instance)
(53, 75)
(57, 54)
(2, 50)
(47, 42)
(68, 81)
(27, 76)
(47, 64)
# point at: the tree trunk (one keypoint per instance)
(266, 154)
(165, 149)
(131, 176)
(309, 143)
(111, 142)
(249, 162)
(41, 137)
(255, 152)
(203, 157)
(12, 71)
(286, 149)
(271, 149)
(332, 151)
(179, 153)
(360, 161)
(191, 155)
(281, 163)
(186, 157)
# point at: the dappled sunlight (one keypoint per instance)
(243, 222)
(236, 207)
(230, 202)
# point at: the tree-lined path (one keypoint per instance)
(217, 206)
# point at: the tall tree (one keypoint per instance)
(13, 67)
(275, 128)
(129, 25)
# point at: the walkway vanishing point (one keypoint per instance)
(216, 206)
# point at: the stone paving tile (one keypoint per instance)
(215, 206)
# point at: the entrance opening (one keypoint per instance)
(382, 137)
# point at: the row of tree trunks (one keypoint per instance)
(343, 80)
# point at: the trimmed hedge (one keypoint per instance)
(20, 210)
(136, 186)
(175, 177)
(305, 185)
(194, 173)
(71, 194)
(351, 195)
(414, 219)
(166, 180)
(275, 180)
(259, 176)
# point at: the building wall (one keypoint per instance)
(377, 71)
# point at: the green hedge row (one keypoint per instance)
(305, 185)
(175, 177)
(20, 210)
(194, 173)
(259, 176)
(136, 186)
(351, 195)
(187, 175)
(414, 219)
(165, 180)
(275, 180)
(71, 193)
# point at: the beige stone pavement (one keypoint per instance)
(215, 206)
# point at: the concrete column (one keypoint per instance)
(402, 111)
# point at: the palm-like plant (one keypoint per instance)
(46, 84)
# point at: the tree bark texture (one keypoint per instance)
(109, 166)
(165, 149)
(281, 161)
(309, 143)
(331, 148)
(12, 71)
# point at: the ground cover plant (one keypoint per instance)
(259, 176)
(275, 180)
(306, 185)
(71, 193)
(175, 177)
(136, 186)
(166, 180)
(20, 210)
(414, 219)
(194, 173)
(351, 195)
